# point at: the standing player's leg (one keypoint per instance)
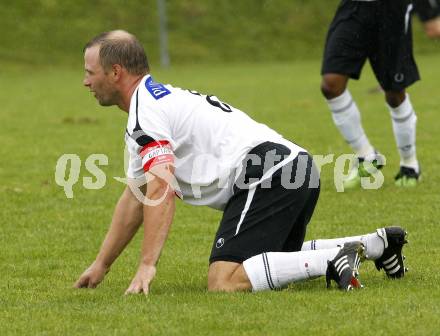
(404, 122)
(345, 113)
(393, 63)
(344, 56)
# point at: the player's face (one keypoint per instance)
(97, 79)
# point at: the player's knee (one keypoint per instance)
(216, 286)
(394, 98)
(227, 277)
(221, 285)
(332, 87)
(218, 276)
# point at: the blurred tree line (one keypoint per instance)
(208, 31)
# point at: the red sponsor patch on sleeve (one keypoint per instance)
(155, 153)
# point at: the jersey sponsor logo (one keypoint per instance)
(157, 90)
(155, 153)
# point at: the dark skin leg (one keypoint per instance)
(333, 85)
(394, 98)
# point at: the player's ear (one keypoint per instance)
(116, 71)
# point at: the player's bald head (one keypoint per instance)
(120, 47)
(120, 35)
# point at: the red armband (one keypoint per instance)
(155, 153)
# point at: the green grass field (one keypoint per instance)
(47, 240)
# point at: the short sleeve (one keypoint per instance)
(151, 139)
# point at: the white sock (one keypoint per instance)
(277, 269)
(347, 119)
(404, 126)
(374, 245)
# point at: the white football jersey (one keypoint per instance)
(204, 138)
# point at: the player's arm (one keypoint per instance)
(159, 207)
(126, 220)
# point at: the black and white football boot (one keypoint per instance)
(391, 261)
(407, 177)
(344, 268)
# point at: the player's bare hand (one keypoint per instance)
(91, 277)
(432, 28)
(142, 280)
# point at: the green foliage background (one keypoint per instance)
(208, 31)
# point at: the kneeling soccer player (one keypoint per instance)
(206, 152)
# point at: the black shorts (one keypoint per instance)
(379, 31)
(273, 216)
